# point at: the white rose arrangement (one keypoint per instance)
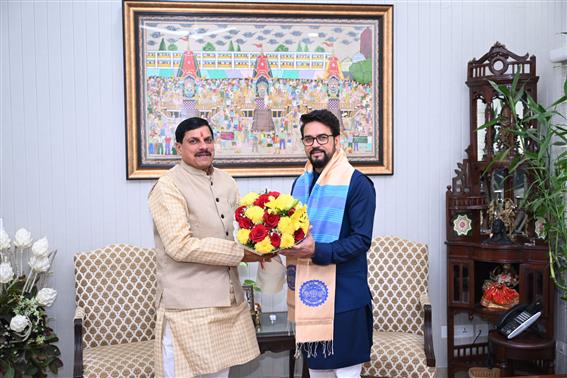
(26, 341)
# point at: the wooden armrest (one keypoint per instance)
(78, 363)
(427, 330)
(424, 299)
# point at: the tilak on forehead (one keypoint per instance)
(202, 134)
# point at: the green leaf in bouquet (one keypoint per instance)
(31, 370)
(33, 292)
(39, 357)
(52, 350)
(17, 285)
(10, 372)
(55, 365)
(20, 365)
(51, 339)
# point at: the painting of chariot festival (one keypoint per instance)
(252, 78)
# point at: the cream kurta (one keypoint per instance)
(199, 294)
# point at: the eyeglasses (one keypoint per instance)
(321, 139)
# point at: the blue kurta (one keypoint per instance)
(352, 334)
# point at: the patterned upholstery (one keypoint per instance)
(397, 276)
(123, 360)
(115, 292)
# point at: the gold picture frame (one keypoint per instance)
(252, 69)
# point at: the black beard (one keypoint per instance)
(321, 163)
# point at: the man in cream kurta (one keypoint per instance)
(203, 322)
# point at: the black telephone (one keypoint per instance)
(519, 318)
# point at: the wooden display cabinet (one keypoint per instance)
(482, 192)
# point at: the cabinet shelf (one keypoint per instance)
(491, 315)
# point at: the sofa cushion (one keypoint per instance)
(133, 360)
(397, 354)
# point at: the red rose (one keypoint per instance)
(290, 212)
(275, 239)
(245, 222)
(271, 220)
(258, 233)
(299, 235)
(261, 200)
(239, 213)
(274, 194)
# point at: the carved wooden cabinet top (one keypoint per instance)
(483, 189)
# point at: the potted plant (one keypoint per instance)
(27, 343)
(541, 135)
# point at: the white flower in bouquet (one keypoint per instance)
(39, 264)
(6, 272)
(40, 248)
(19, 323)
(4, 240)
(27, 342)
(46, 296)
(23, 238)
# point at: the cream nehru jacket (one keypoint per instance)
(197, 258)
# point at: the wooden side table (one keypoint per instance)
(279, 336)
(526, 347)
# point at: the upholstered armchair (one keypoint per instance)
(115, 316)
(403, 343)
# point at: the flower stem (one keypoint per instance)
(21, 271)
(29, 281)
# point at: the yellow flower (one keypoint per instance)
(255, 213)
(243, 236)
(265, 246)
(300, 218)
(285, 225)
(283, 203)
(287, 241)
(249, 199)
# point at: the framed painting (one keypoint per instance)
(251, 70)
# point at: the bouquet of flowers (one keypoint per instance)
(268, 222)
(26, 342)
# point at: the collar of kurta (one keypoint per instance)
(195, 171)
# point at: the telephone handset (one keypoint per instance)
(519, 318)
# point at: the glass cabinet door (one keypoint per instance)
(534, 281)
(460, 283)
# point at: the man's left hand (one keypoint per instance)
(253, 257)
(305, 249)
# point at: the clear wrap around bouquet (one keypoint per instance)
(266, 223)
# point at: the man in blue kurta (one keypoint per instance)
(341, 204)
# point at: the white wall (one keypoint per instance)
(63, 145)
(561, 305)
